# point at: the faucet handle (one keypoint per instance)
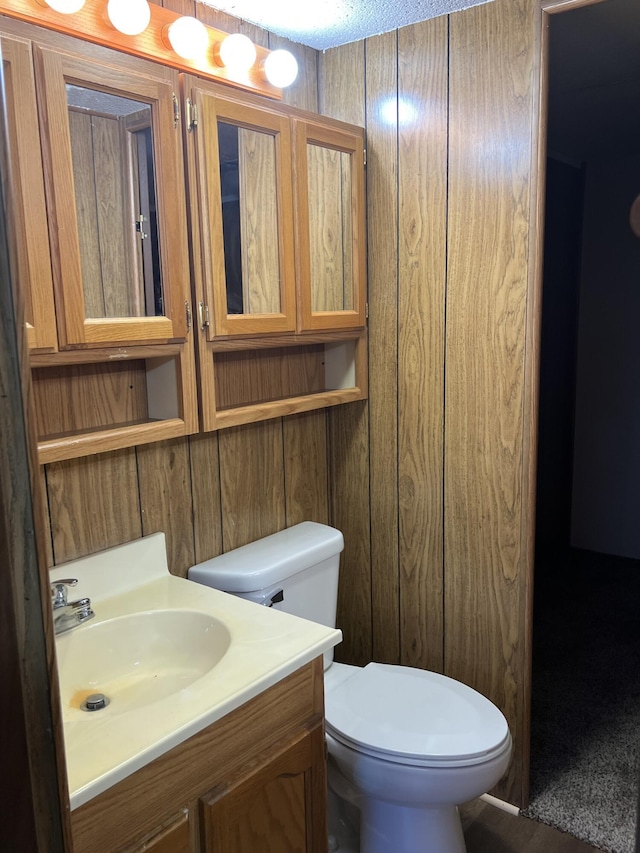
(59, 591)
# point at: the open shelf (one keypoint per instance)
(94, 406)
(257, 384)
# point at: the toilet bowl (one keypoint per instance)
(406, 746)
(410, 746)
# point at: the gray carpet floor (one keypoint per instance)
(586, 698)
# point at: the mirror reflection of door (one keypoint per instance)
(249, 220)
(115, 194)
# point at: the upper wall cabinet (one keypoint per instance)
(281, 204)
(99, 221)
(329, 182)
(115, 192)
(277, 225)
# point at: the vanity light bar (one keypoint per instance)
(91, 22)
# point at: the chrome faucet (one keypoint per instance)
(68, 614)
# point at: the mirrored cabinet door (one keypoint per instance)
(246, 214)
(115, 199)
(29, 219)
(330, 232)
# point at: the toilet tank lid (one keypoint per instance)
(270, 560)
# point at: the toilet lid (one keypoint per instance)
(410, 714)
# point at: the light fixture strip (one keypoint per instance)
(92, 24)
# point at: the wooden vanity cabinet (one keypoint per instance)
(277, 807)
(255, 780)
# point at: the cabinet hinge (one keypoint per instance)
(203, 311)
(176, 111)
(364, 156)
(192, 115)
(187, 310)
(366, 310)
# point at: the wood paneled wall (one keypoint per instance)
(428, 479)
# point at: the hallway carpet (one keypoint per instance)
(586, 698)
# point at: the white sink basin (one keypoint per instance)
(137, 659)
(172, 656)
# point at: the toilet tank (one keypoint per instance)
(295, 570)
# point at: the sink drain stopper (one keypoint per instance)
(95, 702)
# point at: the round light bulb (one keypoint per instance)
(237, 52)
(281, 68)
(66, 7)
(130, 17)
(188, 37)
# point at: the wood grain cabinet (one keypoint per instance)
(276, 807)
(271, 281)
(99, 217)
(253, 781)
(277, 217)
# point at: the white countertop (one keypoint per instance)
(106, 746)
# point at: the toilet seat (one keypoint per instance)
(410, 716)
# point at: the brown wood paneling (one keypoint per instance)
(422, 94)
(86, 396)
(491, 109)
(94, 503)
(382, 207)
(349, 425)
(164, 478)
(205, 489)
(305, 468)
(254, 376)
(252, 482)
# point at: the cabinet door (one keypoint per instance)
(330, 226)
(115, 198)
(175, 838)
(246, 216)
(279, 807)
(26, 191)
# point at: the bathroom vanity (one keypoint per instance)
(253, 781)
(212, 734)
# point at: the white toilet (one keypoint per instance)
(406, 746)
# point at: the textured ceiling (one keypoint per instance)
(329, 23)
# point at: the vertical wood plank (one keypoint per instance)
(382, 209)
(305, 468)
(491, 110)
(422, 106)
(205, 486)
(164, 478)
(222, 21)
(252, 482)
(93, 503)
(349, 425)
